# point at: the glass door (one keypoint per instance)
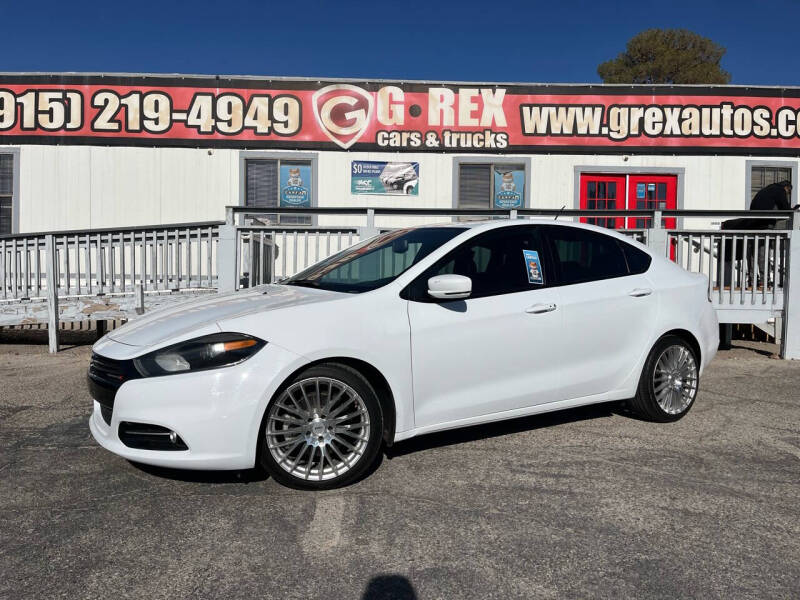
(652, 192)
(603, 192)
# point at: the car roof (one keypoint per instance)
(496, 223)
(487, 225)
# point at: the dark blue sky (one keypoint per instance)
(554, 41)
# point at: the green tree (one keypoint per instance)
(675, 56)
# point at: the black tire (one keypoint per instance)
(645, 404)
(342, 375)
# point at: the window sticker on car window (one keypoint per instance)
(533, 266)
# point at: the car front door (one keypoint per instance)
(498, 350)
(608, 309)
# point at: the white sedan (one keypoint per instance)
(410, 332)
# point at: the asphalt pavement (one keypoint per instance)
(584, 503)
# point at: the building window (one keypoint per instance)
(6, 193)
(762, 176)
(491, 185)
(279, 183)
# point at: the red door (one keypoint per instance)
(603, 192)
(652, 192)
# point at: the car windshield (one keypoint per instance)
(375, 262)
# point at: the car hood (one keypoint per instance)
(201, 317)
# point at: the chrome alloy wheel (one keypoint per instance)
(675, 379)
(318, 428)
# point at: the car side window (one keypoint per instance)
(638, 261)
(582, 255)
(501, 261)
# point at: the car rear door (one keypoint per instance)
(498, 350)
(608, 308)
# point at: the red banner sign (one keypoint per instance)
(491, 118)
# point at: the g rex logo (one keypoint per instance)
(343, 112)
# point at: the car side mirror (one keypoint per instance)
(449, 287)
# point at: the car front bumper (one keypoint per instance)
(217, 413)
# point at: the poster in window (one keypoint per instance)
(295, 184)
(509, 186)
(375, 177)
(533, 266)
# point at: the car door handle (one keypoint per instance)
(538, 309)
(639, 292)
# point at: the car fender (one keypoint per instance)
(400, 395)
(371, 327)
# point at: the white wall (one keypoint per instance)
(434, 189)
(76, 187)
(711, 182)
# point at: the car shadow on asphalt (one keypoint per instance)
(244, 476)
(191, 476)
(500, 428)
(425, 442)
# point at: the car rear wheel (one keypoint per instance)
(322, 429)
(669, 382)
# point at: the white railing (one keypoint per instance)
(268, 254)
(22, 267)
(749, 272)
(640, 235)
(109, 261)
(744, 268)
(118, 261)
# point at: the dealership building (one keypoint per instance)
(81, 151)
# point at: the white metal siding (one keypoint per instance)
(76, 187)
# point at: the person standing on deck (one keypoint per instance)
(772, 197)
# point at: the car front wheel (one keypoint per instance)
(322, 429)
(669, 381)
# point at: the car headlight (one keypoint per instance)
(207, 352)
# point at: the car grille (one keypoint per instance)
(105, 377)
